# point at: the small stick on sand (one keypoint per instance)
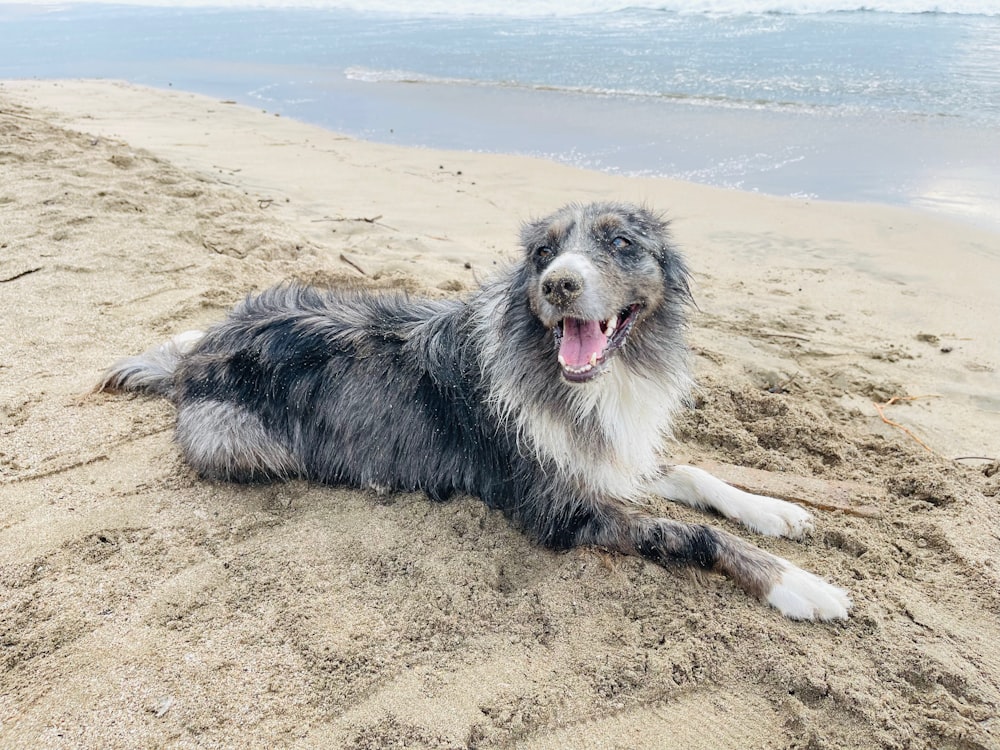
(824, 494)
(362, 219)
(863, 511)
(880, 408)
(353, 265)
(768, 334)
(20, 275)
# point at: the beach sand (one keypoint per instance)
(143, 607)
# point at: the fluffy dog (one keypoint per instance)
(548, 394)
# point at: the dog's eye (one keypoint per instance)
(543, 252)
(620, 243)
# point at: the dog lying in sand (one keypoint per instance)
(548, 394)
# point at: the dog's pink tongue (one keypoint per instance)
(581, 339)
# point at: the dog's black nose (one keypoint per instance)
(562, 288)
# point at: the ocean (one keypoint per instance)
(895, 102)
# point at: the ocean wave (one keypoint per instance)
(537, 8)
(368, 75)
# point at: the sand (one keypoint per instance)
(141, 607)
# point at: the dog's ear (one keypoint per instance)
(520, 281)
(651, 224)
(677, 276)
(655, 227)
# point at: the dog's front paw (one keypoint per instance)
(800, 595)
(772, 517)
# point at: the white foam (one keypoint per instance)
(535, 8)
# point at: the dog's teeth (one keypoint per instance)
(593, 359)
(562, 360)
(611, 327)
(586, 367)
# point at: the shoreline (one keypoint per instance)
(76, 111)
(144, 607)
(930, 164)
(927, 163)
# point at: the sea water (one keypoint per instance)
(895, 102)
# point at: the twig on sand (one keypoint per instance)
(782, 387)
(87, 461)
(768, 334)
(353, 265)
(824, 494)
(863, 511)
(365, 219)
(880, 408)
(361, 219)
(17, 276)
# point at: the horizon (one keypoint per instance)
(544, 8)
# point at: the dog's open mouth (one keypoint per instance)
(585, 345)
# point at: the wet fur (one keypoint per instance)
(393, 393)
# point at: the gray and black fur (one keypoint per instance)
(494, 397)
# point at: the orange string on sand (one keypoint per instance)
(880, 408)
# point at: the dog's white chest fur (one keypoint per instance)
(633, 415)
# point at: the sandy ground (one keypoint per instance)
(141, 607)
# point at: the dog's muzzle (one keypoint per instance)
(563, 288)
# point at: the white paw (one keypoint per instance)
(765, 515)
(800, 595)
(772, 517)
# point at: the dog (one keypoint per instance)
(548, 394)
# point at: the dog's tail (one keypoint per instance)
(152, 371)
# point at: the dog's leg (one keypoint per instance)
(795, 593)
(699, 489)
(226, 442)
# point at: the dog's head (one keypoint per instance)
(596, 275)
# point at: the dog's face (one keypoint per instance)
(597, 273)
